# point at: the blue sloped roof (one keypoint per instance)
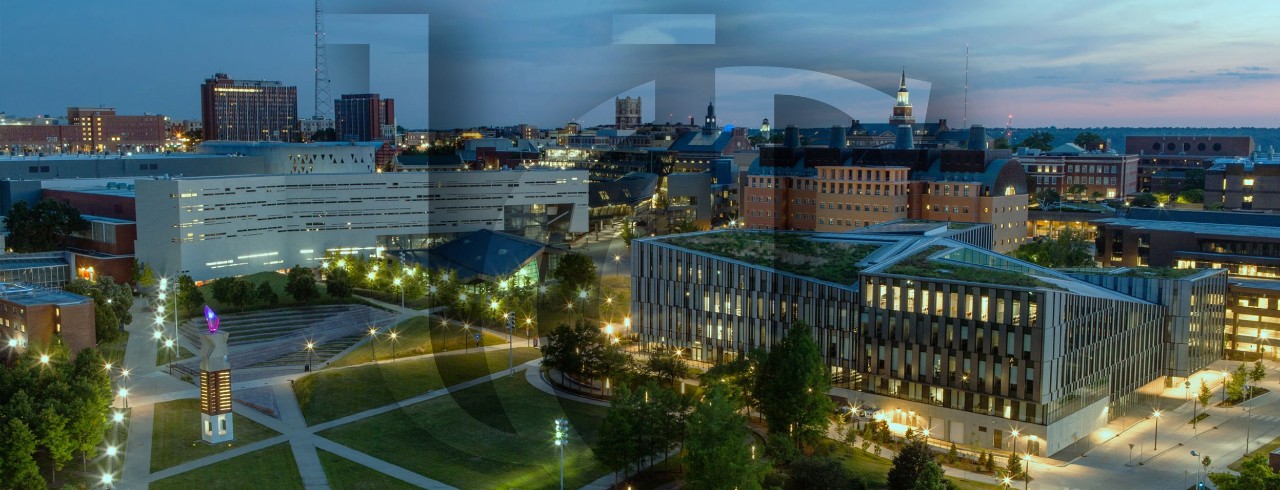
(697, 141)
(480, 253)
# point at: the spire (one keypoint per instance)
(902, 86)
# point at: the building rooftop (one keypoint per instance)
(27, 261)
(104, 219)
(818, 256)
(28, 295)
(86, 157)
(1227, 225)
(480, 253)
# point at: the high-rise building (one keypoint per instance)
(627, 112)
(248, 110)
(362, 117)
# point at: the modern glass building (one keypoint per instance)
(930, 331)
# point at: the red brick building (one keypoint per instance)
(1164, 160)
(30, 316)
(107, 248)
(1104, 175)
(88, 130)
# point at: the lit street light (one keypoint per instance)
(1026, 471)
(168, 347)
(617, 265)
(393, 346)
(562, 438)
(124, 393)
(1156, 439)
(1015, 441)
(373, 342)
(311, 348)
(44, 359)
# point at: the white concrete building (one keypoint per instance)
(210, 227)
(302, 158)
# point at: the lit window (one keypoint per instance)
(1248, 181)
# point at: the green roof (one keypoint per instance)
(805, 255)
(921, 265)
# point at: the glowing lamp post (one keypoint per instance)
(562, 438)
(124, 393)
(1156, 440)
(311, 348)
(394, 335)
(373, 342)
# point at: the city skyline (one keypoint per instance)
(1090, 65)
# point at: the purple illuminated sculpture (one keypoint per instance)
(211, 318)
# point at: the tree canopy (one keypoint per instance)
(717, 446)
(42, 227)
(111, 304)
(574, 271)
(909, 464)
(1070, 249)
(301, 284)
(792, 387)
(1089, 140)
(1040, 140)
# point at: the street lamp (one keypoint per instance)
(562, 438)
(1156, 440)
(106, 480)
(466, 332)
(168, 347)
(44, 359)
(1026, 471)
(311, 348)
(617, 265)
(400, 284)
(373, 342)
(394, 335)
(124, 393)
(1015, 441)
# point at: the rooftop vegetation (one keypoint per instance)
(830, 261)
(919, 265)
(1160, 272)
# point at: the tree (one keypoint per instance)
(1191, 196)
(301, 284)
(1206, 394)
(18, 469)
(338, 283)
(223, 288)
(792, 387)
(1089, 141)
(111, 303)
(666, 366)
(1014, 466)
(190, 299)
(52, 429)
(909, 464)
(1040, 140)
(1070, 249)
(717, 448)
(1162, 197)
(685, 225)
(616, 448)
(1235, 385)
(574, 271)
(1255, 474)
(1193, 179)
(628, 232)
(1143, 200)
(931, 478)
(1000, 143)
(42, 227)
(1258, 373)
(242, 293)
(818, 473)
(1077, 190)
(143, 276)
(574, 351)
(267, 294)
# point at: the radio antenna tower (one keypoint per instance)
(321, 110)
(966, 86)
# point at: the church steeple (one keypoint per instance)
(902, 117)
(709, 123)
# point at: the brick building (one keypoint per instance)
(248, 110)
(1163, 161)
(91, 130)
(833, 188)
(1246, 184)
(32, 315)
(1104, 175)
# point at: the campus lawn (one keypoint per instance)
(1265, 449)
(162, 355)
(344, 474)
(334, 393)
(875, 470)
(113, 351)
(416, 336)
(176, 436)
(272, 467)
(493, 435)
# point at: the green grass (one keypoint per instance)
(162, 355)
(175, 438)
(416, 336)
(272, 467)
(874, 469)
(1265, 449)
(787, 252)
(334, 393)
(113, 351)
(494, 435)
(344, 474)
